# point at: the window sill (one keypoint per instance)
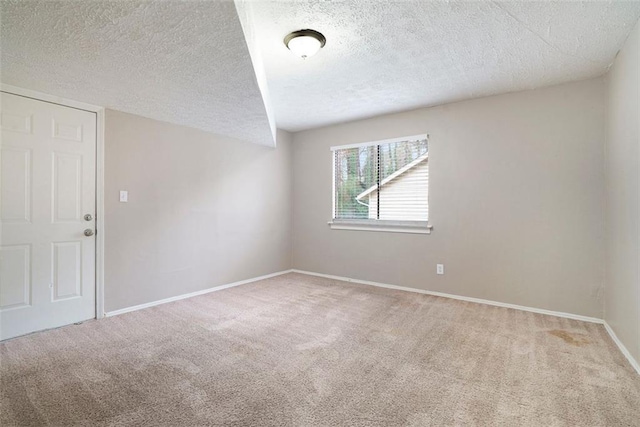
(415, 227)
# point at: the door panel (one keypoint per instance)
(67, 270)
(67, 187)
(15, 165)
(47, 156)
(15, 268)
(68, 131)
(16, 122)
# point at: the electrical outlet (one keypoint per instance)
(124, 196)
(440, 268)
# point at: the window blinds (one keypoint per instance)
(386, 181)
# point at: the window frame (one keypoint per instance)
(415, 227)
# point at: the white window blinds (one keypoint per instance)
(384, 181)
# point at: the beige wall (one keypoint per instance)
(622, 296)
(203, 210)
(516, 201)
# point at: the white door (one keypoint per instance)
(47, 181)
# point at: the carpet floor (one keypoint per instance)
(297, 350)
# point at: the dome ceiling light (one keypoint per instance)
(304, 43)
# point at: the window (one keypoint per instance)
(382, 185)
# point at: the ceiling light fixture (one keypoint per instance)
(304, 43)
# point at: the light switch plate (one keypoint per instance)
(124, 196)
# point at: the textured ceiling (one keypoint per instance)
(183, 62)
(384, 56)
(208, 64)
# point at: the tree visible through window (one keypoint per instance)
(382, 181)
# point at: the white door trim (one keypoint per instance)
(100, 230)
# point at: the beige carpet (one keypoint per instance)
(304, 351)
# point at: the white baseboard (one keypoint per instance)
(193, 294)
(622, 348)
(615, 339)
(458, 297)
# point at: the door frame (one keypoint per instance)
(100, 229)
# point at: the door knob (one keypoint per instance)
(88, 232)
(88, 217)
